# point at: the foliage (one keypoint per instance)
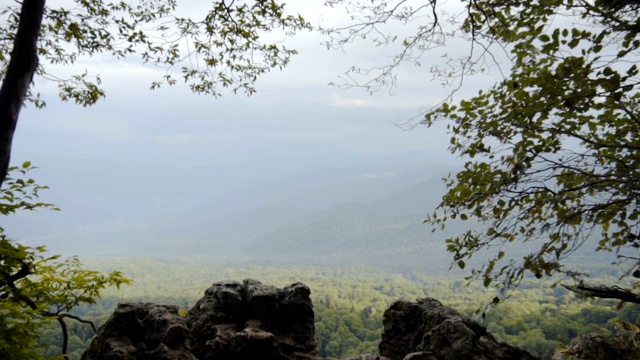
(552, 147)
(349, 302)
(35, 287)
(222, 46)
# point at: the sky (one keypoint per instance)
(294, 111)
(295, 122)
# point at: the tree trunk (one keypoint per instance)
(22, 66)
(65, 338)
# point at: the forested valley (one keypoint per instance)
(349, 303)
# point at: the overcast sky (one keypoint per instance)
(294, 111)
(140, 154)
(295, 120)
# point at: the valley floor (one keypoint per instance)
(349, 303)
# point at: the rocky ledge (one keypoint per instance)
(250, 320)
(426, 329)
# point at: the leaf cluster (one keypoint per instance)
(36, 287)
(553, 148)
(221, 47)
(20, 194)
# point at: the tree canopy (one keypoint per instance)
(552, 148)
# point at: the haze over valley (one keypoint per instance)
(368, 205)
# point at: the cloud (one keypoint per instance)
(378, 175)
(340, 102)
(194, 139)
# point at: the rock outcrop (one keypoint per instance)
(426, 329)
(142, 331)
(232, 320)
(594, 347)
(250, 320)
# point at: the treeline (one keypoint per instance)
(349, 303)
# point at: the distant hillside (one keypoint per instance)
(387, 232)
(214, 209)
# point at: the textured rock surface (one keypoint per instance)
(429, 330)
(592, 347)
(251, 320)
(233, 320)
(142, 331)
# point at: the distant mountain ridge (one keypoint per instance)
(387, 232)
(367, 213)
(179, 214)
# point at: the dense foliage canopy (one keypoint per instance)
(552, 146)
(349, 302)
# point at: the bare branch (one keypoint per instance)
(604, 292)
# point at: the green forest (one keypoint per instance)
(349, 303)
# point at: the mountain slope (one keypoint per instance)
(387, 232)
(214, 209)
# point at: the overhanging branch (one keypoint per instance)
(604, 292)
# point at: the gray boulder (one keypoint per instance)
(428, 330)
(142, 331)
(594, 347)
(250, 320)
(232, 320)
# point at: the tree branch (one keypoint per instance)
(79, 319)
(604, 292)
(65, 332)
(65, 338)
(9, 281)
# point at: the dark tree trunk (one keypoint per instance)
(15, 85)
(65, 338)
(65, 331)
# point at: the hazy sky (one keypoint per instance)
(146, 152)
(294, 111)
(295, 122)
